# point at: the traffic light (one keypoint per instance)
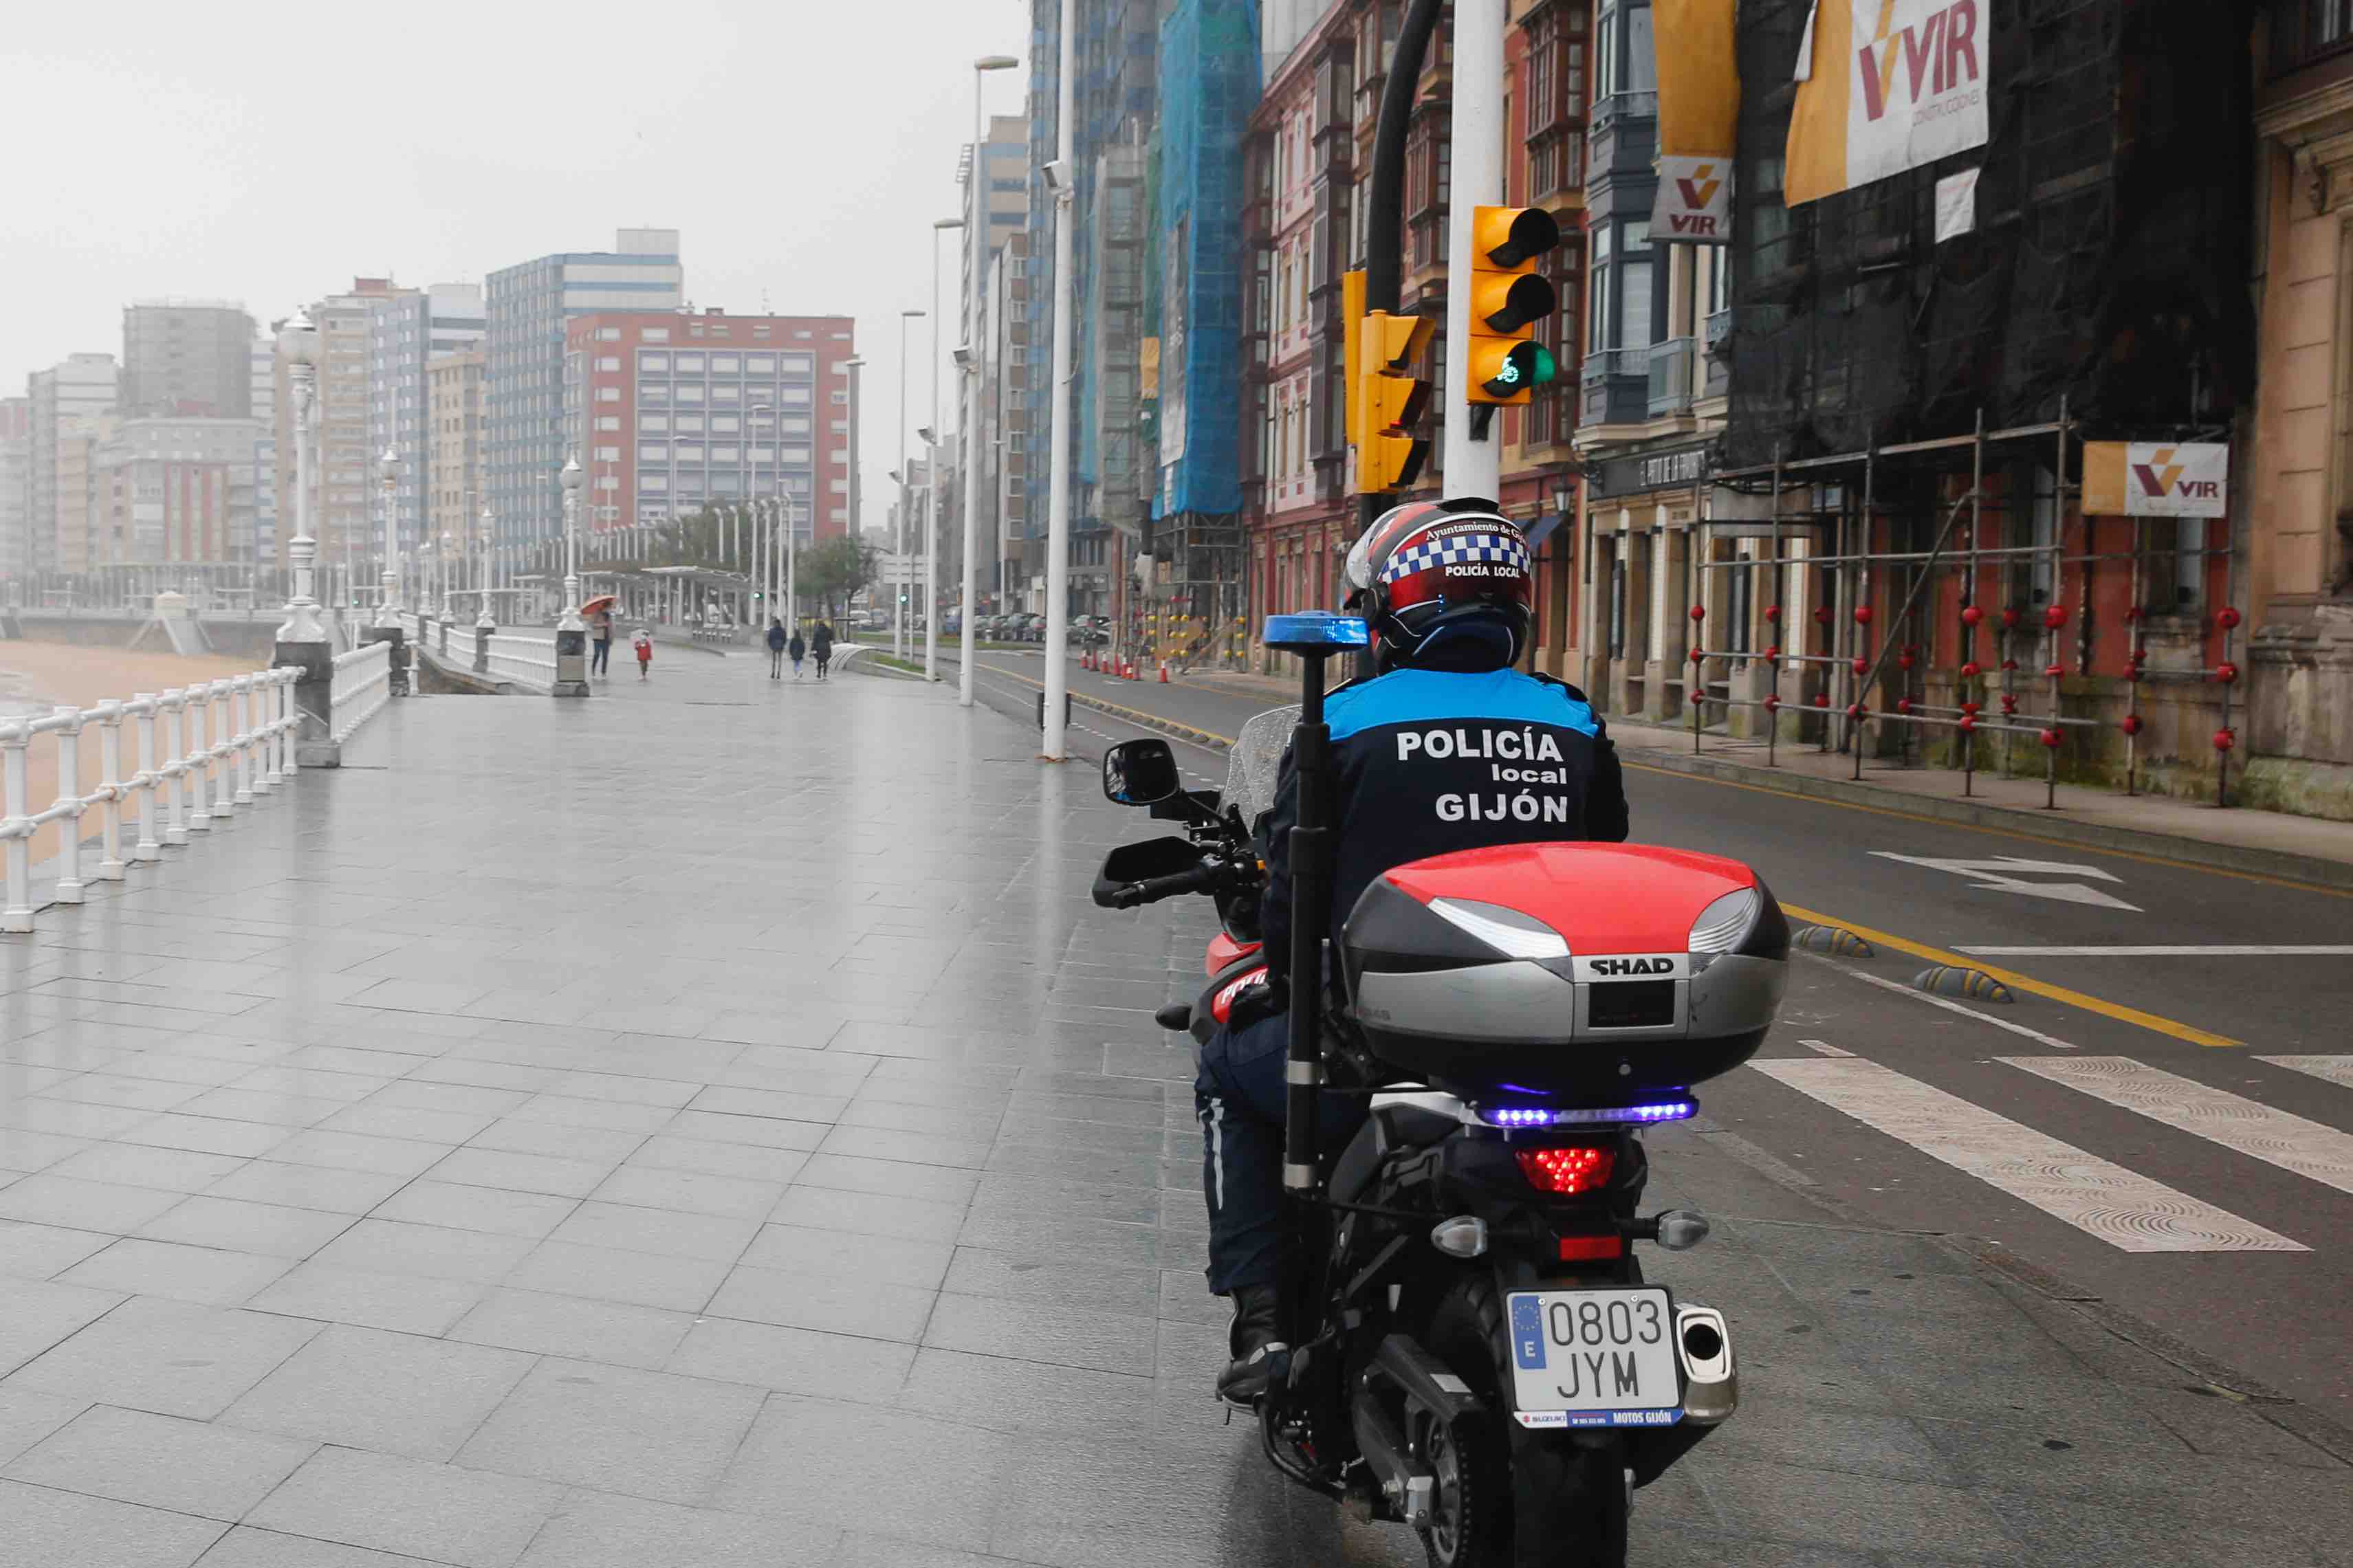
(1389, 401)
(1507, 297)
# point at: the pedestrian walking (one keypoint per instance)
(776, 649)
(644, 644)
(821, 644)
(798, 649)
(600, 626)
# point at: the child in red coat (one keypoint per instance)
(644, 644)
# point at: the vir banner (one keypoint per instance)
(1699, 117)
(1884, 86)
(2156, 479)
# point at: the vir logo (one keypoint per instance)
(1698, 190)
(2157, 479)
(1938, 54)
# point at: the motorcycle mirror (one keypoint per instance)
(1140, 773)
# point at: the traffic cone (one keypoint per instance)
(1163, 672)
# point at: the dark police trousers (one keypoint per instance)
(1238, 1097)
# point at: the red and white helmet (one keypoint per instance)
(1451, 589)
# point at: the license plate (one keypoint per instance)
(1595, 1358)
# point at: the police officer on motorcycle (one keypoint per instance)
(1445, 747)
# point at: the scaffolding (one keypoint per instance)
(1929, 541)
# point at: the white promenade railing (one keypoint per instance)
(191, 783)
(362, 686)
(523, 659)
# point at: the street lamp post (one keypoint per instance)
(486, 621)
(301, 639)
(853, 364)
(932, 475)
(899, 542)
(447, 611)
(387, 468)
(570, 631)
(978, 222)
(1060, 175)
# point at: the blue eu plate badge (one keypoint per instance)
(1527, 1332)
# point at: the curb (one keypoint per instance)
(1136, 716)
(2053, 826)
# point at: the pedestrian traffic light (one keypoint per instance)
(1389, 401)
(1507, 297)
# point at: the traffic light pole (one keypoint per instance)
(1474, 450)
(1050, 746)
(1384, 193)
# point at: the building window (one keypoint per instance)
(761, 364)
(654, 335)
(654, 423)
(608, 394)
(654, 361)
(653, 454)
(608, 362)
(607, 455)
(689, 364)
(608, 334)
(726, 365)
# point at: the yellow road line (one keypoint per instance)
(2018, 981)
(1133, 715)
(2075, 845)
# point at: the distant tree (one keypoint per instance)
(833, 571)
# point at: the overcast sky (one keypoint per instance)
(267, 152)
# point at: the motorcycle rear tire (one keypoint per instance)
(1521, 1498)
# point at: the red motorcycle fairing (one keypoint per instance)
(1221, 1000)
(1224, 949)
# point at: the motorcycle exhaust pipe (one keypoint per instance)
(1408, 1489)
(1711, 1381)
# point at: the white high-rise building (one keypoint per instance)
(66, 399)
(406, 330)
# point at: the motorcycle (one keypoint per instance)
(1476, 1350)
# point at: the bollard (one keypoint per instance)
(240, 707)
(109, 783)
(149, 780)
(176, 828)
(69, 805)
(193, 782)
(223, 751)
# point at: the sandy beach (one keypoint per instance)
(36, 677)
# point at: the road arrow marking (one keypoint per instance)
(2002, 874)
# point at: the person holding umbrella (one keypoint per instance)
(599, 613)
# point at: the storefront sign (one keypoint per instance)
(2156, 479)
(1677, 468)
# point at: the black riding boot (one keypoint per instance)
(1254, 1341)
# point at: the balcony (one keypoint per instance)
(1615, 387)
(1671, 378)
(1621, 141)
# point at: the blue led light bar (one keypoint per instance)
(1316, 629)
(1516, 1117)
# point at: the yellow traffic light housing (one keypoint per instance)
(1389, 401)
(1507, 297)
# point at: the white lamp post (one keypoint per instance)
(1058, 176)
(297, 346)
(388, 468)
(932, 441)
(899, 544)
(448, 576)
(487, 621)
(978, 224)
(570, 478)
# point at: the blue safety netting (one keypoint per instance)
(1209, 85)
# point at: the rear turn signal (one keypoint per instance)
(1567, 1172)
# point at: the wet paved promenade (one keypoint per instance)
(708, 1126)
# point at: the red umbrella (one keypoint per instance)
(600, 602)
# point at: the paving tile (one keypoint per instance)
(402, 1303)
(847, 1254)
(798, 1301)
(82, 1206)
(36, 1315)
(890, 1178)
(290, 1111)
(875, 1213)
(1039, 1274)
(550, 1324)
(246, 1547)
(140, 1166)
(473, 1518)
(610, 1274)
(783, 1104)
(277, 1230)
(26, 1418)
(425, 1200)
(762, 1132)
(25, 1152)
(794, 1360)
(206, 1274)
(358, 1152)
(594, 1530)
(522, 1173)
(748, 1161)
(710, 1237)
(175, 1358)
(615, 1429)
(40, 1528)
(69, 1119)
(608, 1115)
(916, 1147)
(517, 1135)
(1052, 1331)
(691, 1192)
(161, 1461)
(320, 1187)
(112, 1089)
(846, 1466)
(388, 1392)
(435, 1251)
(206, 1134)
(44, 1251)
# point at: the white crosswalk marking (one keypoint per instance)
(2234, 1122)
(2121, 1208)
(2336, 1070)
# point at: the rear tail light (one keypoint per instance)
(1567, 1172)
(1591, 1248)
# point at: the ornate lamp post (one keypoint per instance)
(486, 621)
(297, 346)
(570, 631)
(388, 468)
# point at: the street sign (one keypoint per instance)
(2007, 874)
